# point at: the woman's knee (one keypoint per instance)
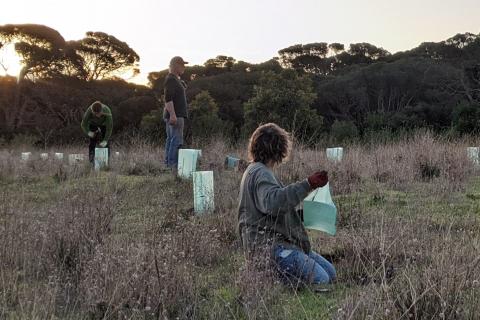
(320, 275)
(325, 264)
(305, 267)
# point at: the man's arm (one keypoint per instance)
(169, 93)
(272, 199)
(86, 120)
(171, 111)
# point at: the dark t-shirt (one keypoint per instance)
(174, 90)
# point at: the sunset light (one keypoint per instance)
(227, 159)
(10, 62)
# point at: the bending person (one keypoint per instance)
(97, 124)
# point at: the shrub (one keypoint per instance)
(344, 131)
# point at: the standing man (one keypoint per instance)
(175, 111)
(97, 125)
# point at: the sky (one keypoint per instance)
(248, 30)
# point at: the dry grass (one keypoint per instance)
(125, 244)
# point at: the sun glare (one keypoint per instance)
(10, 62)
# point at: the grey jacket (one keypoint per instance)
(267, 213)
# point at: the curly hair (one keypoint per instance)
(269, 143)
(97, 107)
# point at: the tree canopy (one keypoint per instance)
(312, 89)
(45, 53)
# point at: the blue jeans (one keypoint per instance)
(311, 268)
(174, 142)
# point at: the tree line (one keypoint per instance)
(315, 90)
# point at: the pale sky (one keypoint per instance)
(249, 30)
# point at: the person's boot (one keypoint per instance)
(320, 288)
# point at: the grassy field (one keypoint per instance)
(125, 244)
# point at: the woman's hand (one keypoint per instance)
(318, 179)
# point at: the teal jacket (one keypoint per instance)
(104, 120)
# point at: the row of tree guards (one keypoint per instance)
(336, 154)
(319, 210)
(101, 157)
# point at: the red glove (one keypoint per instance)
(318, 179)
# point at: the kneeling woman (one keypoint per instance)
(268, 218)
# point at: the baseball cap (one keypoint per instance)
(177, 60)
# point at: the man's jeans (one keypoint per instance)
(174, 142)
(311, 268)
